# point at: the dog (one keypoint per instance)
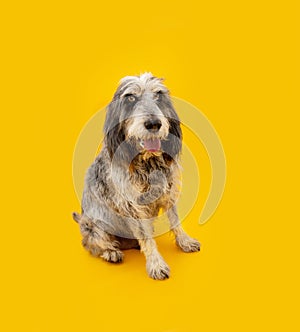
(136, 174)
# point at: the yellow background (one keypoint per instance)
(238, 62)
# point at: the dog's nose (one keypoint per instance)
(152, 125)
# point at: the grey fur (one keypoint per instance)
(127, 185)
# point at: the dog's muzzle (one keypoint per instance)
(152, 145)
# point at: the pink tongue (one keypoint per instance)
(152, 145)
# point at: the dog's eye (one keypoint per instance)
(157, 95)
(131, 98)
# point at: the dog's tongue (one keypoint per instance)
(152, 145)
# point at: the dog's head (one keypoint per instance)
(141, 119)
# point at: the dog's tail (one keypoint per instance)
(76, 216)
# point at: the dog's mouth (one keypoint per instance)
(151, 145)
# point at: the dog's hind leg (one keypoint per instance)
(183, 240)
(125, 243)
(98, 242)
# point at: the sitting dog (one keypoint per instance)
(135, 175)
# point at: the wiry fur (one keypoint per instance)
(127, 185)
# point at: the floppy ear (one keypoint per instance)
(114, 136)
(119, 148)
(114, 132)
(172, 146)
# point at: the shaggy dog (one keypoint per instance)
(135, 175)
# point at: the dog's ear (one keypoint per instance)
(114, 132)
(114, 138)
(113, 135)
(119, 148)
(173, 145)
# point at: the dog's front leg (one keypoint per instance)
(156, 267)
(183, 240)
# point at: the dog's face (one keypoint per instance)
(141, 119)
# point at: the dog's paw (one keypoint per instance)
(113, 256)
(187, 244)
(157, 268)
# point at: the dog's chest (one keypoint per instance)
(148, 173)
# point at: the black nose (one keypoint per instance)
(152, 125)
